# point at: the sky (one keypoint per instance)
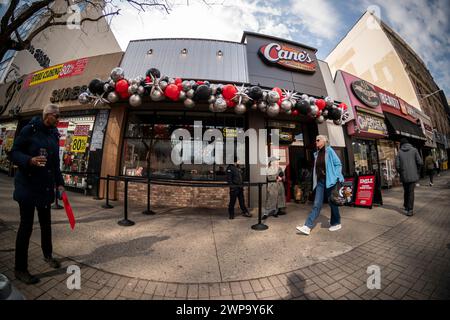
(424, 25)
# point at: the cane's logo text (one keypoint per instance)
(287, 57)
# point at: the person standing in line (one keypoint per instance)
(275, 196)
(408, 163)
(234, 179)
(327, 172)
(429, 166)
(36, 153)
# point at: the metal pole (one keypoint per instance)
(148, 211)
(57, 206)
(125, 222)
(107, 205)
(97, 193)
(259, 226)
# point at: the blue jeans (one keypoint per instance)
(321, 191)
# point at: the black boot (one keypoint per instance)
(26, 277)
(52, 262)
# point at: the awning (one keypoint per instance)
(399, 126)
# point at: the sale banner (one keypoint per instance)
(81, 130)
(365, 191)
(79, 144)
(62, 130)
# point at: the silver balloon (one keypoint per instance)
(106, 87)
(133, 82)
(273, 110)
(141, 90)
(133, 88)
(212, 99)
(320, 119)
(186, 85)
(264, 97)
(240, 109)
(163, 85)
(312, 101)
(254, 106)
(171, 81)
(135, 100)
(182, 95)
(329, 101)
(220, 105)
(211, 107)
(112, 84)
(192, 83)
(289, 112)
(83, 98)
(262, 106)
(286, 105)
(117, 74)
(337, 122)
(305, 97)
(189, 103)
(273, 97)
(245, 99)
(156, 95)
(213, 89)
(314, 110)
(113, 97)
(190, 93)
(325, 113)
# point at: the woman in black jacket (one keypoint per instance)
(36, 153)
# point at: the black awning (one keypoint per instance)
(402, 127)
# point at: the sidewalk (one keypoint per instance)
(201, 254)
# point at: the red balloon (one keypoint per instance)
(178, 80)
(279, 91)
(294, 113)
(122, 88)
(230, 103)
(343, 106)
(229, 91)
(321, 104)
(172, 92)
(280, 100)
(180, 86)
(200, 82)
(148, 79)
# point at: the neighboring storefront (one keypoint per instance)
(81, 127)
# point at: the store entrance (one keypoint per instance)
(366, 156)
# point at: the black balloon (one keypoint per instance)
(302, 106)
(153, 71)
(96, 86)
(219, 90)
(203, 92)
(334, 114)
(255, 93)
(195, 86)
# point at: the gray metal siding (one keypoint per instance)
(201, 61)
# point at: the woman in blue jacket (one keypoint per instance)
(327, 172)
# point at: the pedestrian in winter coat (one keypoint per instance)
(275, 196)
(36, 153)
(408, 163)
(234, 179)
(429, 167)
(327, 172)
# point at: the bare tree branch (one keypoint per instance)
(8, 14)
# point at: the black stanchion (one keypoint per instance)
(259, 226)
(125, 222)
(107, 205)
(97, 186)
(148, 211)
(56, 205)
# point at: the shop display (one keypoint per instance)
(7, 134)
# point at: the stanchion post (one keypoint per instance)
(97, 186)
(259, 226)
(56, 205)
(107, 205)
(125, 222)
(148, 211)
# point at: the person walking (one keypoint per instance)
(275, 197)
(36, 153)
(429, 166)
(327, 172)
(408, 163)
(234, 179)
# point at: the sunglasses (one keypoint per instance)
(318, 140)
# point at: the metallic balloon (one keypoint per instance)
(212, 99)
(325, 113)
(186, 85)
(141, 90)
(264, 95)
(192, 83)
(320, 119)
(182, 95)
(83, 98)
(245, 99)
(190, 93)
(254, 106)
(213, 89)
(262, 106)
(189, 103)
(273, 97)
(289, 112)
(112, 84)
(156, 95)
(113, 97)
(273, 110)
(220, 105)
(329, 101)
(312, 101)
(211, 107)
(314, 110)
(163, 85)
(135, 100)
(132, 82)
(337, 122)
(117, 74)
(171, 81)
(106, 87)
(286, 105)
(240, 109)
(305, 97)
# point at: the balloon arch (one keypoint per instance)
(220, 97)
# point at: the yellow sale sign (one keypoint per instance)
(79, 144)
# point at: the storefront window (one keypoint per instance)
(7, 134)
(366, 158)
(148, 145)
(387, 153)
(75, 138)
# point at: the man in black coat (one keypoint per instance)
(234, 179)
(36, 153)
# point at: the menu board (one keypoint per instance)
(99, 130)
(365, 190)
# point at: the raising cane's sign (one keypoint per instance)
(287, 57)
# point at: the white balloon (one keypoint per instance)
(273, 110)
(113, 97)
(240, 109)
(135, 100)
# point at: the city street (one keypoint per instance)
(201, 254)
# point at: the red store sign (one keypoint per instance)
(391, 104)
(288, 57)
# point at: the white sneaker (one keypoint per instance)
(304, 230)
(335, 228)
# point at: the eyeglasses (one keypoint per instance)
(318, 140)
